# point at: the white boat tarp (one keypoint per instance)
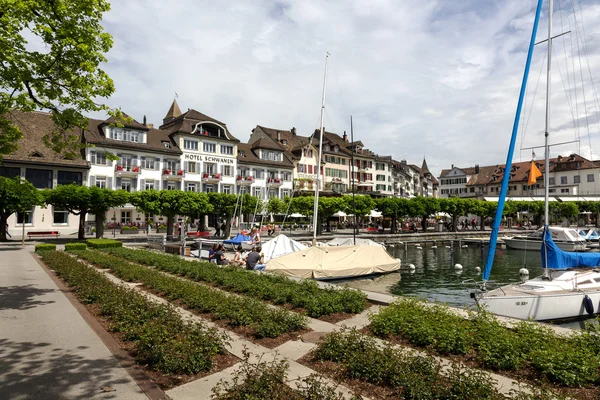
(340, 241)
(280, 245)
(334, 262)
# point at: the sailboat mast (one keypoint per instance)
(547, 128)
(316, 209)
(353, 184)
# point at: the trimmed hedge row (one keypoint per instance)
(103, 243)
(75, 246)
(265, 321)
(44, 247)
(568, 361)
(280, 290)
(408, 374)
(163, 341)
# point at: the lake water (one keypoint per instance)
(436, 279)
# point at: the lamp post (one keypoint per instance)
(114, 223)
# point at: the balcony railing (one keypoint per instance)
(206, 177)
(274, 182)
(244, 180)
(128, 170)
(175, 174)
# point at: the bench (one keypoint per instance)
(198, 234)
(43, 234)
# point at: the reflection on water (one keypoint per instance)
(435, 278)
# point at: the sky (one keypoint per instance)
(421, 78)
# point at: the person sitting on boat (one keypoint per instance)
(219, 256)
(255, 236)
(255, 260)
(211, 253)
(237, 259)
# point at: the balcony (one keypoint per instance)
(244, 180)
(211, 178)
(273, 182)
(173, 175)
(125, 171)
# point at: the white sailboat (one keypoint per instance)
(570, 285)
(567, 239)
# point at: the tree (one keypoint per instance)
(426, 206)
(327, 207)
(389, 208)
(251, 205)
(62, 75)
(73, 198)
(275, 206)
(223, 206)
(102, 200)
(16, 196)
(146, 201)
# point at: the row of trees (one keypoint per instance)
(19, 196)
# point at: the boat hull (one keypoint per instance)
(524, 244)
(542, 307)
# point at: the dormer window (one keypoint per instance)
(270, 155)
(125, 135)
(283, 141)
(327, 148)
(167, 145)
(242, 153)
(336, 149)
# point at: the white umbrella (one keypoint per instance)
(340, 214)
(296, 215)
(374, 214)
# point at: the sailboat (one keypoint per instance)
(326, 263)
(570, 284)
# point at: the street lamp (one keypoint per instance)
(114, 223)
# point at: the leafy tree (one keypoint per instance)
(102, 200)
(73, 198)
(426, 206)
(16, 196)
(389, 207)
(62, 75)
(224, 206)
(327, 207)
(146, 201)
(251, 204)
(363, 205)
(303, 205)
(275, 206)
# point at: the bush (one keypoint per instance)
(44, 247)
(129, 228)
(75, 246)
(103, 243)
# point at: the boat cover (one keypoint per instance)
(334, 262)
(350, 242)
(555, 258)
(238, 239)
(280, 245)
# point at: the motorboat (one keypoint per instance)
(567, 239)
(591, 235)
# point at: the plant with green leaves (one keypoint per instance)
(16, 196)
(224, 205)
(61, 74)
(74, 198)
(103, 243)
(101, 201)
(45, 247)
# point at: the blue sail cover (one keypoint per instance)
(555, 258)
(238, 239)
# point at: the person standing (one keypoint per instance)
(218, 229)
(6, 230)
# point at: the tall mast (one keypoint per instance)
(547, 128)
(316, 209)
(352, 180)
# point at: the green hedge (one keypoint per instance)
(75, 246)
(44, 247)
(103, 243)
(162, 339)
(264, 321)
(305, 294)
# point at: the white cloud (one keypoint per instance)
(420, 77)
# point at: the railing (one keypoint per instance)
(174, 173)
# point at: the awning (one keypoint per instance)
(519, 199)
(578, 198)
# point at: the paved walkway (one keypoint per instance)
(47, 350)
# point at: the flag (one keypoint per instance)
(176, 95)
(534, 173)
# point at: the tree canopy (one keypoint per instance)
(61, 74)
(16, 196)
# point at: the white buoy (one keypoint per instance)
(477, 269)
(419, 248)
(523, 271)
(411, 267)
(458, 266)
(447, 247)
(434, 247)
(391, 245)
(397, 259)
(464, 245)
(458, 271)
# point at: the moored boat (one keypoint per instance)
(567, 239)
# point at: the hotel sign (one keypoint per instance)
(210, 159)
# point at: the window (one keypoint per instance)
(285, 193)
(190, 144)
(68, 177)
(125, 217)
(259, 173)
(270, 155)
(273, 193)
(551, 190)
(125, 135)
(126, 184)
(150, 163)
(60, 216)
(190, 187)
(149, 185)
(286, 176)
(552, 181)
(576, 179)
(171, 186)
(225, 149)
(166, 145)
(380, 177)
(101, 182)
(172, 166)
(40, 178)
(226, 189)
(98, 158)
(563, 180)
(258, 192)
(10, 172)
(27, 217)
(227, 170)
(209, 188)
(191, 167)
(209, 147)
(210, 169)
(565, 190)
(590, 178)
(283, 142)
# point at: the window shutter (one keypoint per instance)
(93, 157)
(134, 161)
(92, 180)
(198, 166)
(178, 185)
(157, 164)
(142, 184)
(134, 182)
(118, 183)
(157, 184)
(164, 184)
(185, 166)
(109, 182)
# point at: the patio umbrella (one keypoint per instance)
(296, 215)
(340, 214)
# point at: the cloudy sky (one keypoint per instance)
(429, 78)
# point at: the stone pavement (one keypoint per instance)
(47, 349)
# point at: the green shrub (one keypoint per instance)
(103, 243)
(129, 228)
(75, 246)
(44, 247)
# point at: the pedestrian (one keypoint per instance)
(217, 229)
(223, 228)
(6, 230)
(474, 223)
(255, 260)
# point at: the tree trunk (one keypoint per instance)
(100, 225)
(81, 232)
(454, 223)
(170, 222)
(424, 223)
(3, 218)
(328, 225)
(227, 232)
(482, 223)
(202, 226)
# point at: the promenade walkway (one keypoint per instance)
(47, 349)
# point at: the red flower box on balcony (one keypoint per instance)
(167, 172)
(217, 176)
(180, 172)
(119, 168)
(239, 178)
(205, 175)
(248, 178)
(277, 180)
(136, 169)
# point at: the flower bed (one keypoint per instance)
(570, 361)
(103, 243)
(381, 371)
(44, 247)
(75, 246)
(237, 311)
(280, 290)
(163, 341)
